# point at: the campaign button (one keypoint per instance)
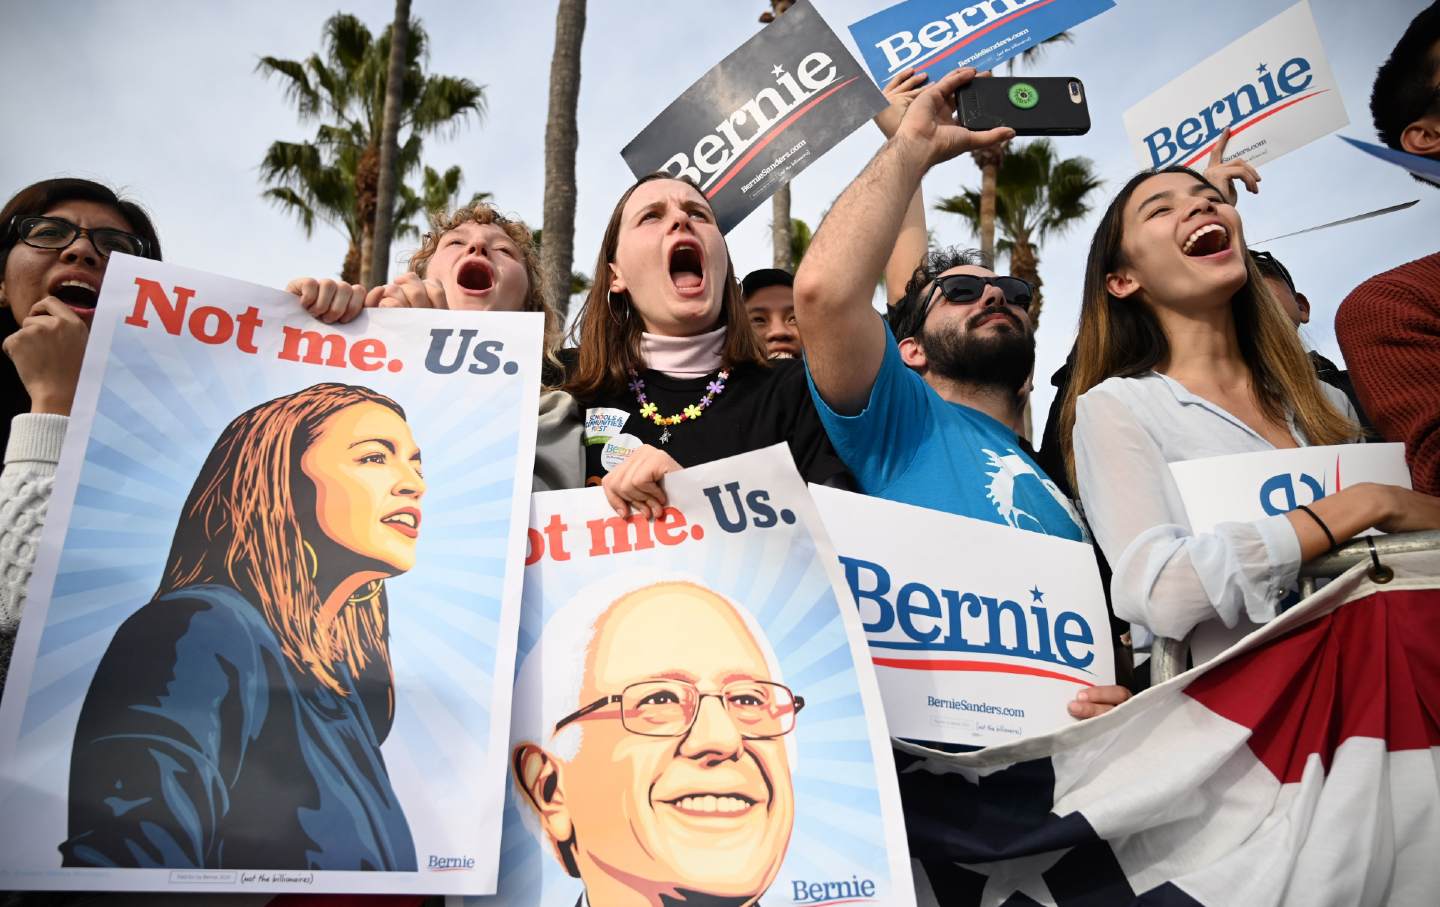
(617, 450)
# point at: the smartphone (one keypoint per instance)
(1053, 105)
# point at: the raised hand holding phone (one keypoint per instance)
(1053, 105)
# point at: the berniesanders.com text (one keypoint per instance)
(982, 708)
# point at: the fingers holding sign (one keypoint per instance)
(1097, 700)
(930, 122)
(409, 291)
(329, 300)
(635, 483)
(1223, 175)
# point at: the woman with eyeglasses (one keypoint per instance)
(1184, 353)
(58, 236)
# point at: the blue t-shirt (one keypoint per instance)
(911, 445)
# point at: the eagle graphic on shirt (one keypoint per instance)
(1005, 470)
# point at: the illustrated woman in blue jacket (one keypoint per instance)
(235, 720)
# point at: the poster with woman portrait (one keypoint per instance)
(270, 633)
(696, 719)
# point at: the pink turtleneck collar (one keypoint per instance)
(684, 357)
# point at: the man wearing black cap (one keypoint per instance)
(770, 303)
(1282, 287)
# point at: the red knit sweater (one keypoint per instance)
(1389, 331)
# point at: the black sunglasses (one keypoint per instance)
(969, 287)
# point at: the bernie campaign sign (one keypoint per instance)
(1272, 88)
(765, 113)
(696, 720)
(922, 33)
(980, 634)
(268, 645)
(1253, 486)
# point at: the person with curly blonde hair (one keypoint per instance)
(475, 259)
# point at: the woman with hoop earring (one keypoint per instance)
(667, 371)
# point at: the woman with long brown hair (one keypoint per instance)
(667, 370)
(235, 720)
(1183, 353)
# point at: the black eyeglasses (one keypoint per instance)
(58, 233)
(760, 709)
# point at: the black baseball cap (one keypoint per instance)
(756, 281)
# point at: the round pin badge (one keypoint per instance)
(617, 450)
(1024, 95)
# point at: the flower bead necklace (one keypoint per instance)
(692, 412)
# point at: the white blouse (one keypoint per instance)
(1168, 579)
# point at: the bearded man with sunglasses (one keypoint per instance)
(925, 416)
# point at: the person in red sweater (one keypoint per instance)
(1389, 326)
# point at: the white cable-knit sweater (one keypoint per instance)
(25, 488)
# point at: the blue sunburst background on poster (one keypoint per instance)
(161, 406)
(839, 830)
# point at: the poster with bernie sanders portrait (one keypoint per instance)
(696, 720)
(270, 633)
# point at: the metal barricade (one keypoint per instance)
(1168, 656)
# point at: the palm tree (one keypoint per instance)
(561, 141)
(335, 177)
(1037, 196)
(800, 236)
(578, 281)
(389, 146)
(782, 240)
(988, 159)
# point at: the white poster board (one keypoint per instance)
(181, 715)
(1273, 88)
(1252, 486)
(980, 633)
(696, 720)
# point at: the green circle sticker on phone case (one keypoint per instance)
(1024, 95)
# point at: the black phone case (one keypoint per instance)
(1030, 106)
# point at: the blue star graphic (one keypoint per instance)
(1037, 595)
(1261, 69)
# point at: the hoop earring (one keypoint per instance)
(312, 563)
(372, 591)
(610, 304)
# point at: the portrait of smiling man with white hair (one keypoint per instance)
(656, 766)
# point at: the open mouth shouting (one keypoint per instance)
(405, 521)
(476, 277)
(78, 290)
(687, 267)
(1208, 240)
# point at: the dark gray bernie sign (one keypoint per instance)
(766, 112)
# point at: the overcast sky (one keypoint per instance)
(160, 98)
